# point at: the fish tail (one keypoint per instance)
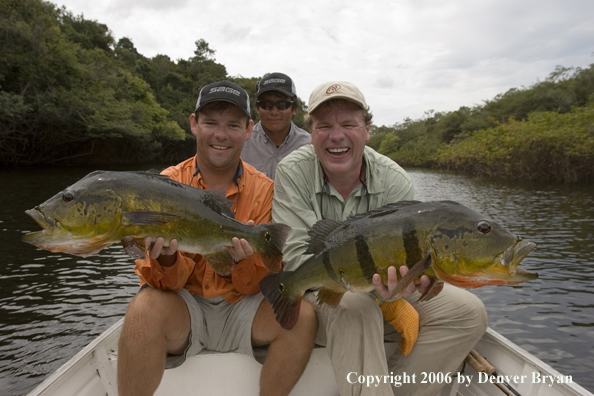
(286, 304)
(271, 244)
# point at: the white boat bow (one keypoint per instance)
(92, 372)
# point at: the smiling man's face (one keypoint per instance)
(275, 121)
(220, 135)
(339, 134)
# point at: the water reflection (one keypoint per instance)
(553, 316)
(52, 304)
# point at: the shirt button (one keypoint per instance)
(249, 283)
(206, 287)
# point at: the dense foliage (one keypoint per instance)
(544, 132)
(70, 94)
(546, 146)
(65, 97)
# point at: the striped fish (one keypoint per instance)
(443, 239)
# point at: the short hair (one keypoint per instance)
(220, 106)
(367, 115)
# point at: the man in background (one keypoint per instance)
(275, 136)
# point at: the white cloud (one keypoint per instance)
(407, 56)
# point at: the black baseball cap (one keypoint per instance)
(225, 91)
(277, 82)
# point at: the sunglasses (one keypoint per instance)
(269, 104)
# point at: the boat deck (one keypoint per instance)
(92, 372)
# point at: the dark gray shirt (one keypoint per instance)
(261, 152)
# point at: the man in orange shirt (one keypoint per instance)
(184, 306)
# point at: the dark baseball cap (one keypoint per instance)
(225, 91)
(277, 82)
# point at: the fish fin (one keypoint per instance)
(274, 287)
(405, 320)
(213, 199)
(318, 234)
(414, 272)
(400, 204)
(218, 202)
(270, 246)
(147, 217)
(134, 246)
(435, 287)
(384, 210)
(150, 172)
(221, 262)
(330, 297)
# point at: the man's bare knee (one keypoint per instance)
(308, 320)
(154, 313)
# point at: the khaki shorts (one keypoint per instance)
(218, 325)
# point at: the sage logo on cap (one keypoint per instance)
(276, 82)
(224, 89)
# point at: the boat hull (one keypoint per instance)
(93, 372)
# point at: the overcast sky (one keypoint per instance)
(407, 56)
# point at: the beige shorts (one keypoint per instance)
(218, 326)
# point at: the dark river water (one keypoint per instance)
(52, 305)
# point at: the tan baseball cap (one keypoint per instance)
(336, 90)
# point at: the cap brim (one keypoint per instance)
(289, 94)
(224, 100)
(311, 108)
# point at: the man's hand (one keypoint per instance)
(386, 291)
(241, 249)
(165, 255)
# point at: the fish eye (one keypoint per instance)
(281, 287)
(67, 197)
(267, 236)
(484, 227)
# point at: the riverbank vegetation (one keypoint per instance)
(71, 94)
(544, 132)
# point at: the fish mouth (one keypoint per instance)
(45, 222)
(500, 270)
(48, 225)
(514, 255)
(55, 238)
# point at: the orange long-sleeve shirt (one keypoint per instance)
(191, 271)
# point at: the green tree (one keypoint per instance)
(128, 55)
(389, 146)
(72, 100)
(203, 51)
(377, 135)
(89, 34)
(547, 146)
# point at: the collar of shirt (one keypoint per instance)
(260, 134)
(372, 184)
(235, 188)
